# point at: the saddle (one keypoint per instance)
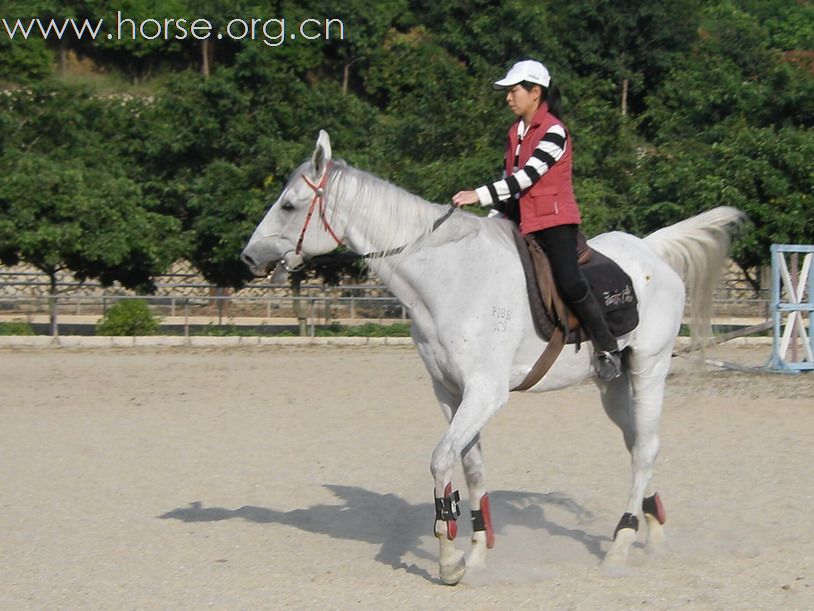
(553, 321)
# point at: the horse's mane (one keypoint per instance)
(388, 215)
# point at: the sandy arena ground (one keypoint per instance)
(280, 477)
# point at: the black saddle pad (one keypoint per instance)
(611, 285)
(614, 291)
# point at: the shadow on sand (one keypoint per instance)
(398, 526)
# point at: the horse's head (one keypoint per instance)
(296, 226)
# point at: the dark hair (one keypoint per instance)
(550, 94)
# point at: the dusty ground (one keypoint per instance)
(276, 477)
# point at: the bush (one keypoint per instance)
(332, 330)
(366, 330)
(213, 330)
(128, 317)
(16, 327)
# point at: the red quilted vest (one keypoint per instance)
(550, 201)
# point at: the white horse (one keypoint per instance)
(463, 284)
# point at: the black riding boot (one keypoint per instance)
(607, 360)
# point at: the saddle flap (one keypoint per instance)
(555, 307)
(583, 250)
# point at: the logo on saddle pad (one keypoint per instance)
(619, 298)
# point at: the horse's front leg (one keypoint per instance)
(483, 537)
(480, 401)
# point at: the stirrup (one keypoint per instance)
(607, 365)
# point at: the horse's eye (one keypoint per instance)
(288, 206)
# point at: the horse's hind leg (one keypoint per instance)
(483, 537)
(634, 403)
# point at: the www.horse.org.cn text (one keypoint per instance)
(272, 32)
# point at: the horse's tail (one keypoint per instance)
(696, 249)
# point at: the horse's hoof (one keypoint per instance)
(477, 557)
(615, 562)
(453, 572)
(657, 547)
(656, 543)
(615, 566)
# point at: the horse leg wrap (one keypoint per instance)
(628, 521)
(654, 506)
(482, 521)
(446, 509)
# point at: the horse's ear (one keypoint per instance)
(322, 154)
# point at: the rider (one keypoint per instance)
(537, 193)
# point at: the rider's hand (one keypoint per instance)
(465, 198)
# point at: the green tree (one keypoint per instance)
(26, 60)
(23, 61)
(60, 215)
(407, 94)
(765, 172)
(732, 125)
(225, 209)
(142, 48)
(66, 201)
(626, 43)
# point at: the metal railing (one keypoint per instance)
(269, 313)
(183, 299)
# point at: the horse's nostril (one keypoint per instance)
(248, 260)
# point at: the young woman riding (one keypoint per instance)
(537, 193)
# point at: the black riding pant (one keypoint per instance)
(560, 246)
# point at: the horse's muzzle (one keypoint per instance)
(261, 261)
(253, 265)
(258, 263)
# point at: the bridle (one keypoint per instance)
(318, 199)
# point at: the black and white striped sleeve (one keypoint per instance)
(549, 150)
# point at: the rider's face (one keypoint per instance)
(521, 101)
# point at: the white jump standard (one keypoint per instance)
(788, 314)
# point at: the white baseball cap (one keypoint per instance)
(526, 70)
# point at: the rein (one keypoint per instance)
(319, 201)
(399, 249)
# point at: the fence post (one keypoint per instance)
(53, 306)
(221, 303)
(54, 303)
(186, 320)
